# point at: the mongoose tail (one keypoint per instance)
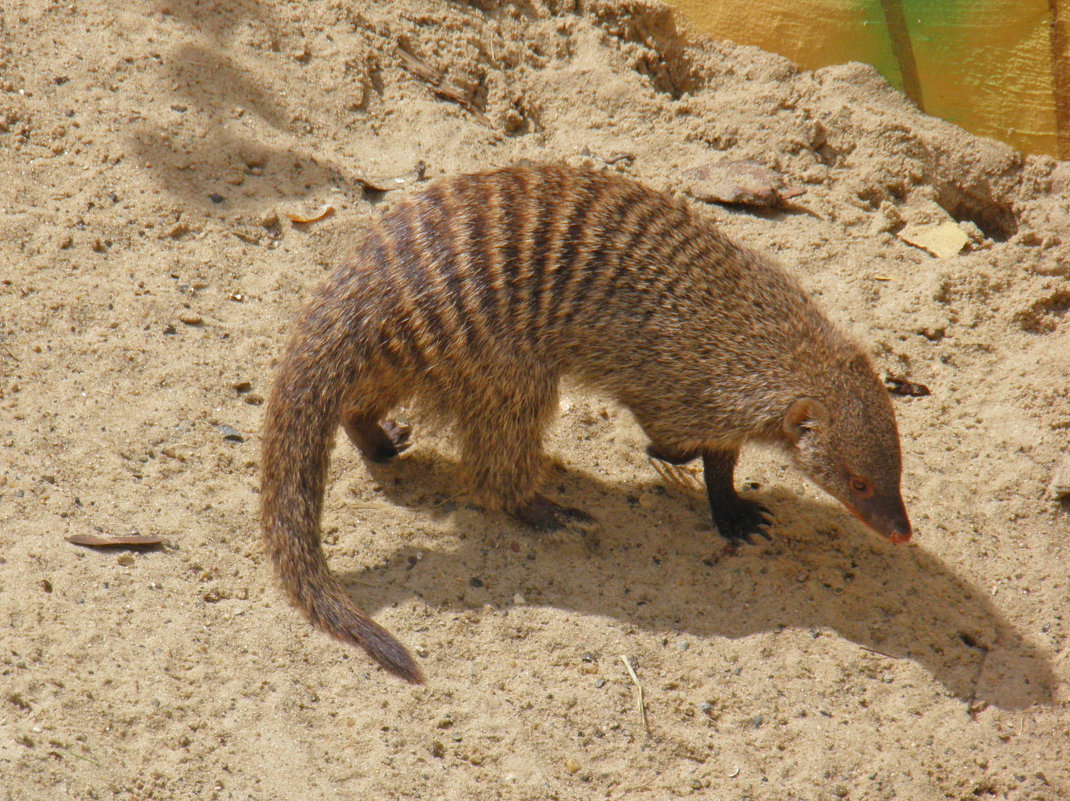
(301, 419)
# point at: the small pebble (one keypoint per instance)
(519, 600)
(571, 765)
(647, 500)
(684, 645)
(230, 433)
(126, 559)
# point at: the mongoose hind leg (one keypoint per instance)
(737, 520)
(377, 441)
(501, 447)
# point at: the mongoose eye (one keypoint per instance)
(860, 486)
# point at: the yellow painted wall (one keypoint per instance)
(991, 66)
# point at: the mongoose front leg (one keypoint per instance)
(736, 519)
(378, 442)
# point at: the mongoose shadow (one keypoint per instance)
(821, 571)
(207, 81)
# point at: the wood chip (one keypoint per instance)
(898, 385)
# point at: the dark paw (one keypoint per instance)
(397, 437)
(378, 442)
(739, 521)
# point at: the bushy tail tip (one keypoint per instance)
(336, 614)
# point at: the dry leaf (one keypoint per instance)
(745, 183)
(325, 212)
(942, 240)
(115, 540)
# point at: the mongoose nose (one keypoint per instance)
(899, 528)
(903, 534)
(891, 523)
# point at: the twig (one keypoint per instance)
(639, 698)
(881, 653)
(973, 708)
(682, 477)
(436, 82)
(637, 787)
(68, 752)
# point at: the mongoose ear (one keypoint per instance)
(802, 416)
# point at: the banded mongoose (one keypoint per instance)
(472, 298)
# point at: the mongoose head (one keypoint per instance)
(846, 441)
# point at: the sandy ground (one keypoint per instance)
(150, 152)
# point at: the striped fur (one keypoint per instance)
(474, 297)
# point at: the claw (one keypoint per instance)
(738, 521)
(398, 434)
(379, 442)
